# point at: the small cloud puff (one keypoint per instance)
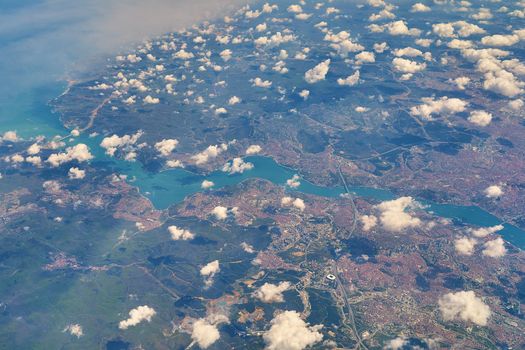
(289, 332)
(480, 118)
(394, 216)
(178, 234)
(368, 221)
(495, 248)
(293, 182)
(464, 305)
(76, 174)
(166, 146)
(318, 73)
(237, 166)
(74, 329)
(465, 245)
(209, 153)
(204, 333)
(253, 149)
(493, 191)
(271, 293)
(207, 184)
(138, 315)
(296, 203)
(444, 105)
(351, 80)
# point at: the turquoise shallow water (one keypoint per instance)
(31, 115)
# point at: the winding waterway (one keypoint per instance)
(31, 115)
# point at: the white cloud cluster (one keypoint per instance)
(253, 149)
(394, 216)
(294, 181)
(395, 28)
(351, 80)
(138, 315)
(480, 118)
(289, 332)
(79, 153)
(166, 146)
(271, 293)
(465, 245)
(204, 333)
(368, 221)
(295, 202)
(444, 105)
(209, 153)
(221, 213)
(495, 248)
(485, 231)
(493, 191)
(342, 43)
(317, 73)
(404, 65)
(463, 29)
(464, 305)
(76, 174)
(74, 329)
(114, 142)
(274, 40)
(178, 234)
(237, 166)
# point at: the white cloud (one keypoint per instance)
(516, 104)
(74, 329)
(234, 100)
(178, 234)
(209, 153)
(112, 143)
(10, 136)
(465, 245)
(294, 181)
(220, 212)
(237, 166)
(368, 221)
(166, 146)
(258, 82)
(461, 82)
(404, 65)
(401, 28)
(76, 174)
(294, 8)
(33, 149)
(253, 149)
(365, 56)
(204, 333)
(485, 231)
(444, 105)
(495, 248)
(493, 191)
(271, 293)
(351, 80)
(79, 153)
(480, 118)
(419, 7)
(297, 203)
(500, 40)
(137, 315)
(380, 47)
(394, 216)
(289, 332)
(304, 94)
(247, 248)
(396, 343)
(317, 73)
(151, 100)
(465, 306)
(275, 40)
(207, 184)
(209, 271)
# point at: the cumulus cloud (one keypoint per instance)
(79, 153)
(485, 231)
(365, 57)
(500, 40)
(209, 271)
(76, 174)
(271, 293)
(294, 181)
(237, 166)
(137, 315)
(204, 333)
(166, 146)
(258, 82)
(493, 191)
(480, 118)
(74, 329)
(295, 202)
(253, 149)
(207, 184)
(114, 142)
(178, 234)
(444, 105)
(464, 305)
(209, 153)
(368, 221)
(419, 7)
(289, 332)
(351, 80)
(317, 73)
(465, 245)
(495, 248)
(404, 65)
(9, 136)
(395, 216)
